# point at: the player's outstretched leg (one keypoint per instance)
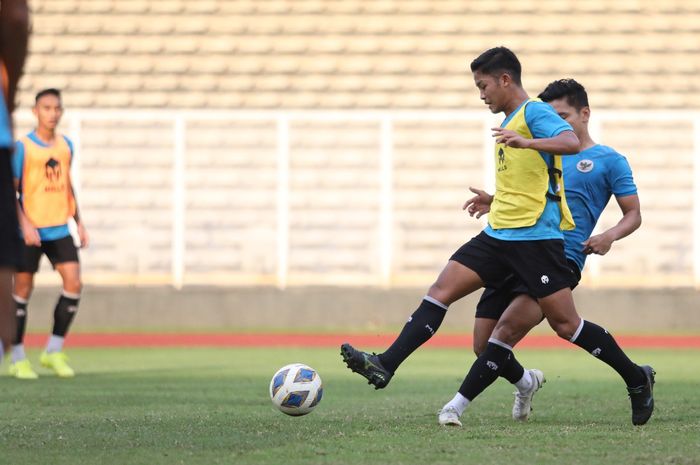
(642, 397)
(597, 341)
(454, 282)
(421, 326)
(368, 365)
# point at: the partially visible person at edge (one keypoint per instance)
(14, 35)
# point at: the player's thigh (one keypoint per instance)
(63, 255)
(483, 327)
(472, 266)
(454, 282)
(520, 317)
(29, 258)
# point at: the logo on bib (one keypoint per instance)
(585, 166)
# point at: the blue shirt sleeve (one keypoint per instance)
(543, 121)
(70, 146)
(620, 177)
(18, 160)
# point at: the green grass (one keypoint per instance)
(210, 406)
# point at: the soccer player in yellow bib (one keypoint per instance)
(592, 177)
(14, 34)
(41, 165)
(524, 237)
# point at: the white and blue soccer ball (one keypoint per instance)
(296, 389)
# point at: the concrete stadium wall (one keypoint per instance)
(337, 309)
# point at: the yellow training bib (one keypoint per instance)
(47, 197)
(522, 183)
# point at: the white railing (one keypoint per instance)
(385, 121)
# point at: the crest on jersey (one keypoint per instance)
(52, 170)
(585, 166)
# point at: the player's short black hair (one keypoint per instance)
(496, 61)
(570, 89)
(50, 91)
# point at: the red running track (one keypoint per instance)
(332, 340)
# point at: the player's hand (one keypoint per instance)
(599, 244)
(510, 138)
(30, 234)
(478, 205)
(83, 235)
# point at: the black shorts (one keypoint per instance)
(59, 251)
(9, 230)
(540, 265)
(495, 300)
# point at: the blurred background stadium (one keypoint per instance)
(302, 164)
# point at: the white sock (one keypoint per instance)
(18, 353)
(459, 402)
(2, 351)
(55, 344)
(525, 383)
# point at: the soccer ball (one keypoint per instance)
(296, 389)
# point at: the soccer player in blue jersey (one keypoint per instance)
(524, 237)
(14, 35)
(41, 166)
(591, 177)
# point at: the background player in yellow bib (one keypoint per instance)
(14, 34)
(41, 166)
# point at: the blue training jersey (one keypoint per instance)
(591, 177)
(52, 233)
(543, 123)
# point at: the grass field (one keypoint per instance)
(211, 406)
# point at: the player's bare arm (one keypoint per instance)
(563, 143)
(631, 219)
(82, 230)
(29, 231)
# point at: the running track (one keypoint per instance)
(332, 340)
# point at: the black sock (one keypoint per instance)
(599, 343)
(63, 315)
(21, 320)
(512, 370)
(420, 327)
(485, 370)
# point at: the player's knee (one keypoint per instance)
(441, 293)
(23, 288)
(564, 329)
(73, 285)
